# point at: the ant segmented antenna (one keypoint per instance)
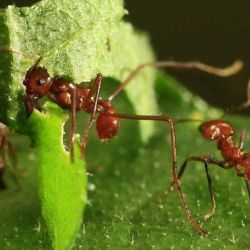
(221, 72)
(245, 104)
(26, 54)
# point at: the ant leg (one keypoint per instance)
(94, 92)
(241, 145)
(95, 87)
(85, 136)
(30, 104)
(182, 120)
(174, 159)
(209, 215)
(206, 160)
(181, 172)
(221, 72)
(72, 121)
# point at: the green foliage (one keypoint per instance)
(124, 210)
(77, 39)
(62, 183)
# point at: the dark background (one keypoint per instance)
(214, 32)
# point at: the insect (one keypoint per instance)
(233, 156)
(8, 157)
(39, 83)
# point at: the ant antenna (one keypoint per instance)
(221, 72)
(187, 120)
(242, 106)
(232, 69)
(27, 54)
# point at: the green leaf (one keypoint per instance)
(89, 37)
(62, 183)
(77, 40)
(123, 209)
(126, 211)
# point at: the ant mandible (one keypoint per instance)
(67, 95)
(7, 152)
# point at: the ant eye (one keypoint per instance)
(40, 81)
(24, 82)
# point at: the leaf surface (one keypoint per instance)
(77, 40)
(62, 183)
(124, 210)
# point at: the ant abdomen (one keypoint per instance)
(107, 126)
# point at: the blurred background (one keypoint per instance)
(214, 32)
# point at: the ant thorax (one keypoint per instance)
(233, 155)
(246, 166)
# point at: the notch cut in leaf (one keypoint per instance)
(62, 184)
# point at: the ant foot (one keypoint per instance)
(207, 216)
(170, 190)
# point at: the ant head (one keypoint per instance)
(37, 81)
(216, 129)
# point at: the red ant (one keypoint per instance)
(234, 156)
(75, 98)
(7, 152)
